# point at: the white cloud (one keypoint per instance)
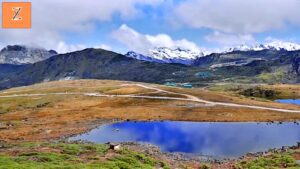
(272, 39)
(230, 39)
(143, 42)
(63, 47)
(103, 46)
(52, 18)
(238, 16)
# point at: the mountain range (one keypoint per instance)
(20, 54)
(188, 57)
(85, 64)
(250, 66)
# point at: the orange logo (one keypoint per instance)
(16, 14)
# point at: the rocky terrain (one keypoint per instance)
(18, 54)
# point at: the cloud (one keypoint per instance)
(273, 39)
(238, 16)
(230, 39)
(63, 47)
(103, 46)
(143, 42)
(51, 19)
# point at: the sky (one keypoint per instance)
(139, 25)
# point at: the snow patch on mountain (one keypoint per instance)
(138, 56)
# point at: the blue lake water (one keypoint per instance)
(213, 139)
(290, 101)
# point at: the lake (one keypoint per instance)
(206, 138)
(290, 101)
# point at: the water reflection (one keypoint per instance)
(215, 139)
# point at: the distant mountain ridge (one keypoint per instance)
(19, 54)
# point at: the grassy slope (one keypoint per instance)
(63, 155)
(73, 156)
(281, 91)
(273, 161)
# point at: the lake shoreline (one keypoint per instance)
(153, 150)
(150, 147)
(173, 160)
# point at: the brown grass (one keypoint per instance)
(74, 114)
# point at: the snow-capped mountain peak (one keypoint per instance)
(279, 45)
(176, 53)
(275, 45)
(168, 55)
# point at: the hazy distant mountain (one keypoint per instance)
(18, 54)
(168, 55)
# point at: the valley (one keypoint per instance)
(60, 109)
(72, 107)
(75, 104)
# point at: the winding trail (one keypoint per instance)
(188, 98)
(196, 99)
